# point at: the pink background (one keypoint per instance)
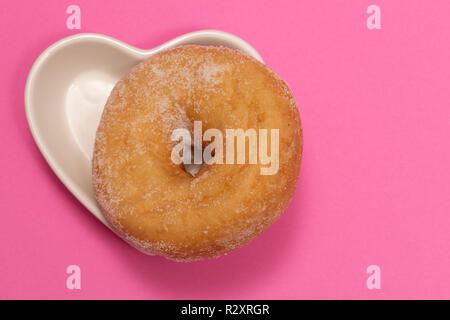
(375, 180)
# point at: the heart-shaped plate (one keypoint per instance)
(67, 89)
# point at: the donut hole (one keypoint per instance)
(193, 168)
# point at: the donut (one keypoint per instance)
(193, 211)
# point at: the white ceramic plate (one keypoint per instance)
(66, 91)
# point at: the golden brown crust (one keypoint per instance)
(155, 204)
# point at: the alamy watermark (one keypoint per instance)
(190, 151)
(73, 281)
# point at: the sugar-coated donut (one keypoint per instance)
(153, 202)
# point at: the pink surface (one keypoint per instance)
(375, 180)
